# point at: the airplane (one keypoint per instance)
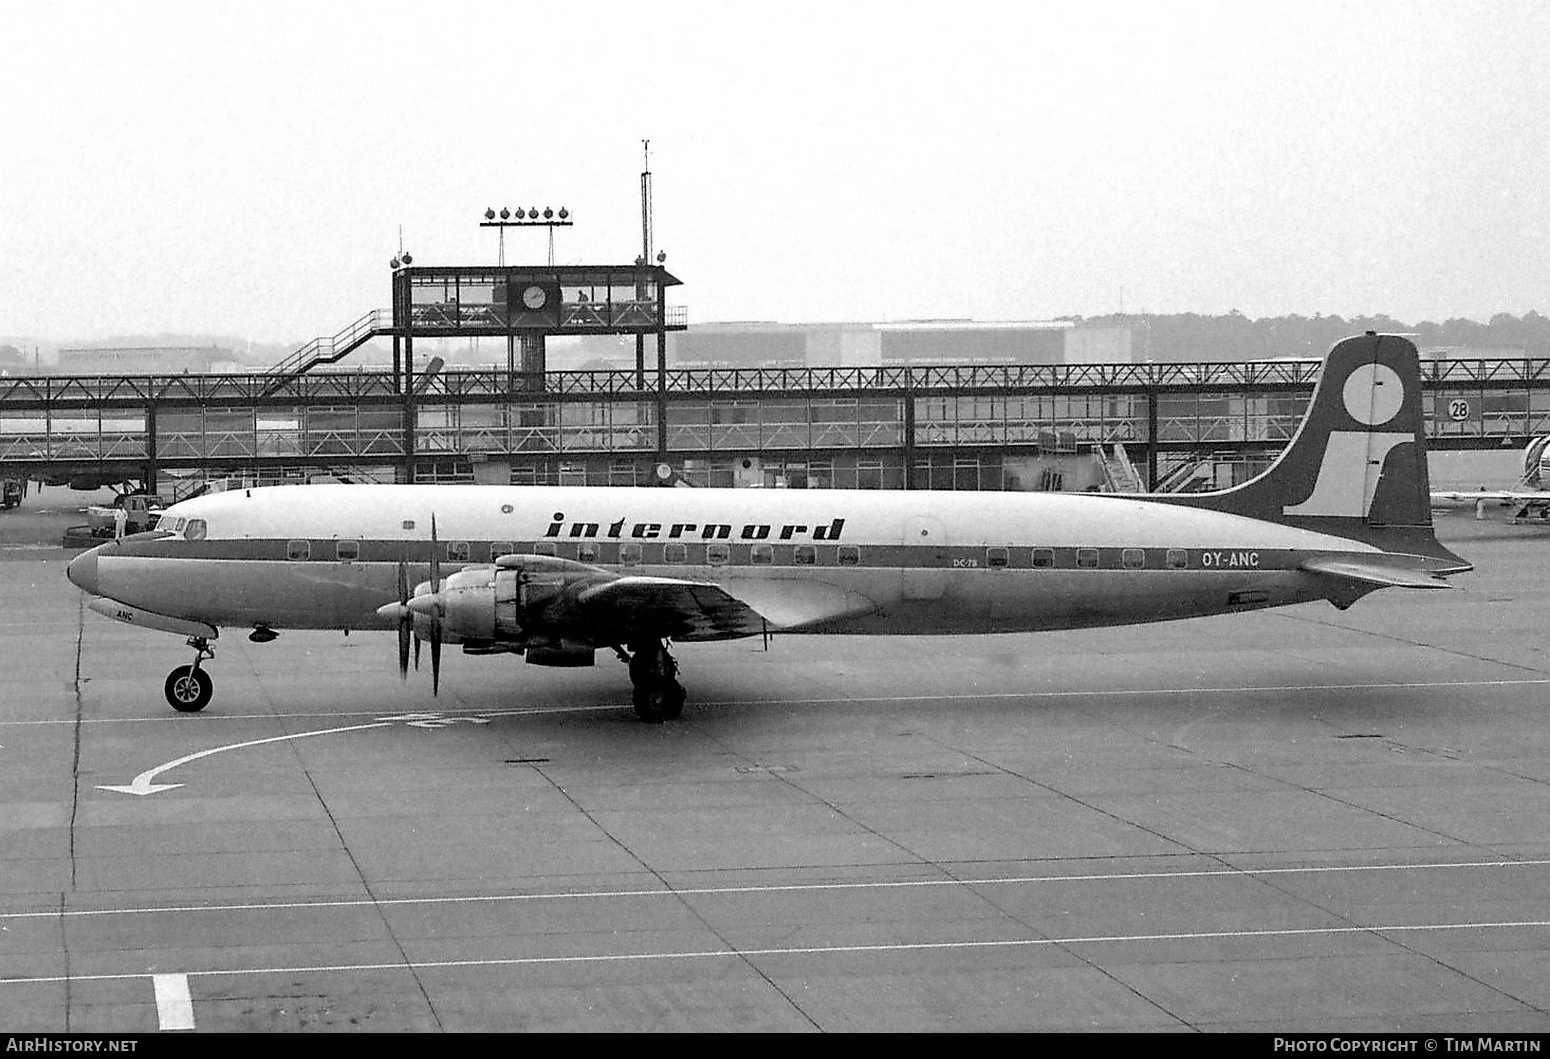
(556, 574)
(1530, 502)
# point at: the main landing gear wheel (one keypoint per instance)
(189, 689)
(657, 696)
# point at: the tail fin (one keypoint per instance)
(1356, 467)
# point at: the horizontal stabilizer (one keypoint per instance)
(1383, 571)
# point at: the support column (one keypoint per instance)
(407, 384)
(150, 448)
(534, 361)
(1151, 440)
(662, 396)
(534, 365)
(909, 432)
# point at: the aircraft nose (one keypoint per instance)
(82, 571)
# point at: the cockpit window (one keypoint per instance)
(195, 530)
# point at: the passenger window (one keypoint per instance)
(996, 558)
(1178, 558)
(849, 555)
(1043, 557)
(195, 530)
(500, 548)
(718, 554)
(806, 555)
(1087, 558)
(298, 551)
(1133, 558)
(544, 548)
(457, 551)
(347, 551)
(586, 551)
(675, 553)
(763, 554)
(629, 554)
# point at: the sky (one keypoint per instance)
(245, 169)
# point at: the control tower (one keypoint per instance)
(527, 304)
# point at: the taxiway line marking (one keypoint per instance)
(174, 1005)
(142, 785)
(711, 891)
(813, 950)
(970, 697)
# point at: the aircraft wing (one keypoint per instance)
(1379, 571)
(702, 610)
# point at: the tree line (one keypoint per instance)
(1233, 336)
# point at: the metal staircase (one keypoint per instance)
(330, 350)
(1119, 474)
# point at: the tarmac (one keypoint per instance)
(1301, 820)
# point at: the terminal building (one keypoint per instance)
(590, 375)
(910, 342)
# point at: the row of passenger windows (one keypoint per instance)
(719, 554)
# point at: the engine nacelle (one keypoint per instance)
(471, 605)
(491, 604)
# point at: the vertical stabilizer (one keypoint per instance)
(1357, 465)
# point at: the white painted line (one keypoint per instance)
(710, 891)
(141, 785)
(816, 950)
(174, 1006)
(539, 711)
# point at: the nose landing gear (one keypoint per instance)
(657, 696)
(188, 688)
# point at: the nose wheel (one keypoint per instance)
(657, 696)
(189, 688)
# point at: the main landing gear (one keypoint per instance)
(188, 688)
(658, 696)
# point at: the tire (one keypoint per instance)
(675, 697)
(659, 701)
(188, 689)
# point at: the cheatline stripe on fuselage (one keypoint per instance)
(738, 555)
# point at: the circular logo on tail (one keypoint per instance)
(1373, 394)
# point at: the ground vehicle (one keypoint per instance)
(140, 510)
(11, 492)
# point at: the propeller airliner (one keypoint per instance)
(555, 574)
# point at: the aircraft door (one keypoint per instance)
(924, 558)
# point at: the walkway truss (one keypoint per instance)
(331, 418)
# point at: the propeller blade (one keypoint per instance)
(435, 557)
(437, 609)
(405, 618)
(435, 659)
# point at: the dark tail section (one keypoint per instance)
(1357, 466)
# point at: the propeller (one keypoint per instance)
(430, 605)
